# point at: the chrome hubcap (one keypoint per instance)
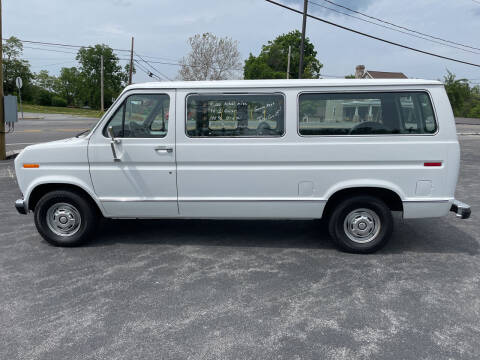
(63, 219)
(362, 225)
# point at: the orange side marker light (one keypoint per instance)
(31, 166)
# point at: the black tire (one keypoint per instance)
(364, 211)
(77, 207)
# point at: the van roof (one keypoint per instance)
(281, 83)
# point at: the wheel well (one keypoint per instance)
(391, 198)
(43, 189)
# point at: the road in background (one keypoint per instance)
(37, 128)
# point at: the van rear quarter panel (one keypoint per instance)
(295, 175)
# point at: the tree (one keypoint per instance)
(68, 85)
(458, 91)
(210, 58)
(271, 63)
(44, 80)
(89, 59)
(126, 72)
(465, 100)
(14, 66)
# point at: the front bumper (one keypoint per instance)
(20, 206)
(460, 209)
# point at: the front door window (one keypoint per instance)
(141, 116)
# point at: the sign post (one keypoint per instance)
(19, 83)
(3, 154)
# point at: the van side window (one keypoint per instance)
(212, 115)
(141, 116)
(366, 113)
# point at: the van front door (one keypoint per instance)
(141, 181)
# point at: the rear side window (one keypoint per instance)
(217, 115)
(141, 116)
(366, 113)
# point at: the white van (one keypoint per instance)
(350, 151)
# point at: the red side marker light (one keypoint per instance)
(432, 164)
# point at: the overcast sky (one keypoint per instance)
(161, 29)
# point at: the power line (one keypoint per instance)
(143, 69)
(169, 61)
(57, 51)
(159, 58)
(52, 50)
(146, 71)
(392, 28)
(65, 62)
(400, 26)
(70, 46)
(154, 68)
(63, 45)
(372, 36)
(43, 43)
(181, 64)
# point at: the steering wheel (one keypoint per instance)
(264, 128)
(137, 130)
(366, 127)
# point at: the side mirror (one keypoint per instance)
(113, 143)
(111, 133)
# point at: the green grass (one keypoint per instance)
(61, 110)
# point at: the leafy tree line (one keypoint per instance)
(464, 98)
(74, 86)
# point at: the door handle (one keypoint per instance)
(164, 149)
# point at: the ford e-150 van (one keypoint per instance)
(348, 151)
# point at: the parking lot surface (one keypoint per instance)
(242, 289)
(36, 128)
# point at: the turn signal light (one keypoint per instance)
(31, 166)
(432, 164)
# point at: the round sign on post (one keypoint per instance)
(19, 82)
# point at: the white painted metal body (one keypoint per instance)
(291, 176)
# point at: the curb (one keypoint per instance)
(469, 133)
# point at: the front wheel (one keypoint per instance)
(65, 218)
(361, 224)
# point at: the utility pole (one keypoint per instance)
(288, 63)
(302, 43)
(131, 65)
(3, 150)
(102, 108)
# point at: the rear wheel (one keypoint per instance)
(361, 224)
(65, 218)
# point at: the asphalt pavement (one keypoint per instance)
(36, 128)
(242, 289)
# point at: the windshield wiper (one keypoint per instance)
(83, 132)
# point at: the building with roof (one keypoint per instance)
(361, 73)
